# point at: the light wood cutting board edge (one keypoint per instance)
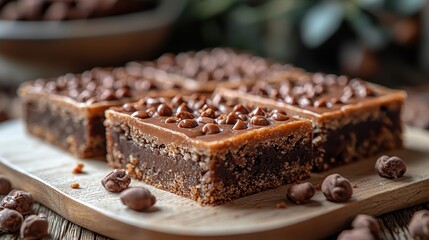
(97, 219)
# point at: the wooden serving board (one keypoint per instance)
(45, 171)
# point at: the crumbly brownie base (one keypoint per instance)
(209, 179)
(357, 136)
(82, 137)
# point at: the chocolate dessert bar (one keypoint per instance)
(205, 149)
(204, 70)
(351, 118)
(69, 111)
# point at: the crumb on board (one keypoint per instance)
(75, 185)
(258, 205)
(281, 205)
(317, 187)
(78, 168)
(354, 185)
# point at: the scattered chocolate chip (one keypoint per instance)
(177, 101)
(184, 115)
(368, 222)
(164, 110)
(258, 111)
(140, 114)
(336, 188)
(18, 200)
(171, 120)
(301, 193)
(259, 121)
(10, 220)
(210, 128)
(419, 225)
(5, 185)
(239, 125)
(137, 198)
(187, 123)
(116, 181)
(390, 167)
(280, 117)
(356, 234)
(34, 227)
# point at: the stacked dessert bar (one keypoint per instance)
(266, 126)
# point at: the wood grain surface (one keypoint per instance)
(46, 172)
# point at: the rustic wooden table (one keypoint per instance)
(393, 225)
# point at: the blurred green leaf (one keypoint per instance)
(408, 7)
(209, 8)
(372, 35)
(321, 22)
(371, 3)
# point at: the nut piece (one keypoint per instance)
(34, 227)
(78, 168)
(356, 234)
(300, 193)
(116, 181)
(390, 167)
(18, 200)
(5, 185)
(419, 225)
(75, 185)
(336, 188)
(10, 220)
(137, 198)
(369, 222)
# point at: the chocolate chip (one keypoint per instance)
(210, 113)
(336, 188)
(230, 119)
(368, 222)
(184, 115)
(122, 93)
(280, 117)
(140, 114)
(84, 96)
(137, 198)
(128, 107)
(183, 108)
(5, 185)
(205, 120)
(300, 193)
(320, 103)
(177, 100)
(258, 111)
(390, 167)
(18, 200)
(356, 234)
(290, 100)
(34, 227)
(210, 128)
(107, 95)
(419, 225)
(10, 220)
(239, 125)
(116, 181)
(171, 120)
(187, 123)
(259, 121)
(304, 102)
(164, 110)
(240, 108)
(153, 101)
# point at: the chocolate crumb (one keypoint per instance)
(281, 205)
(78, 168)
